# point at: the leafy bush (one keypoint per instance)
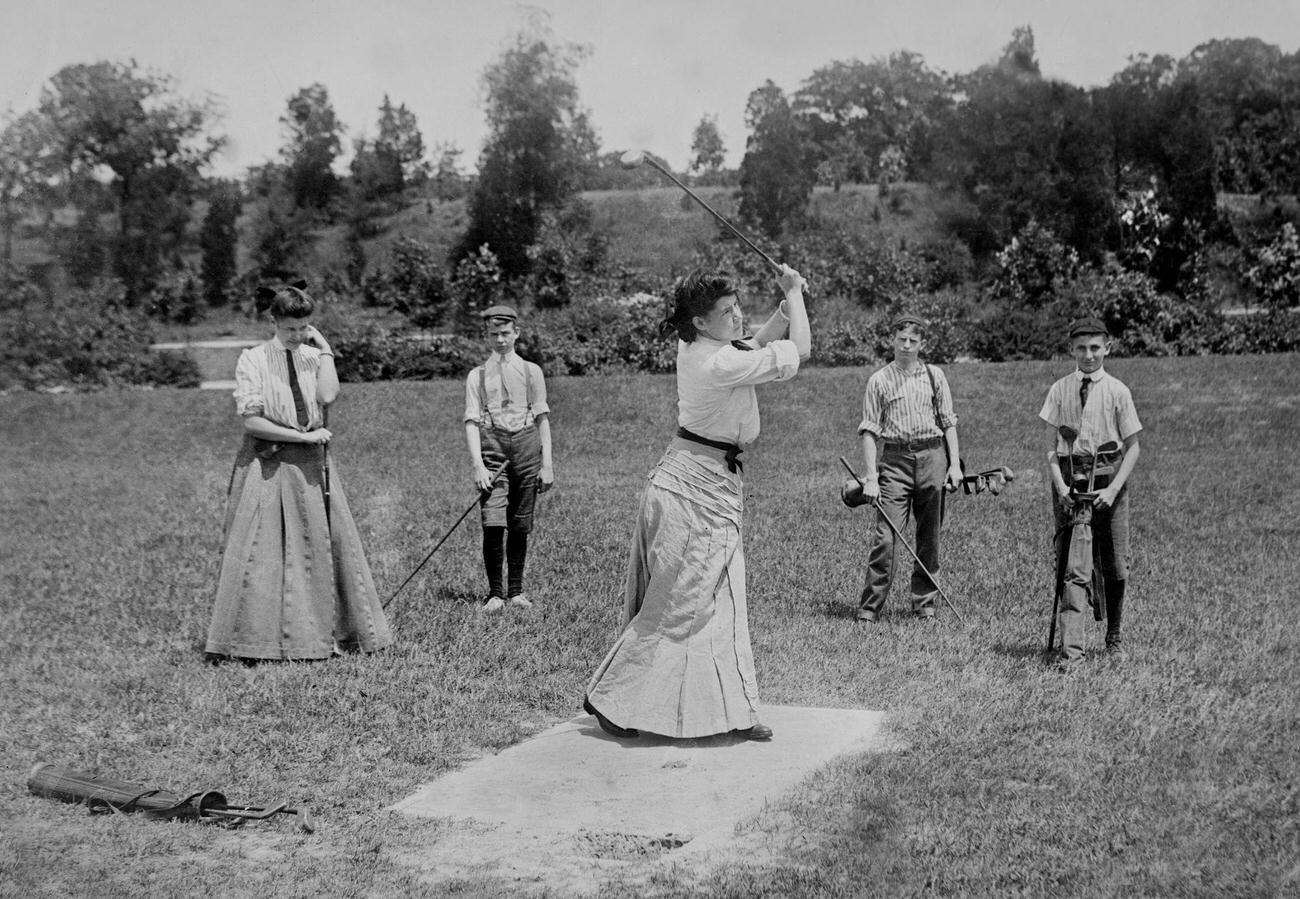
(1277, 331)
(377, 354)
(1275, 270)
(1032, 266)
(89, 342)
(1143, 321)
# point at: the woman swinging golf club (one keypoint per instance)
(683, 666)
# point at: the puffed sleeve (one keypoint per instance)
(732, 367)
(249, 374)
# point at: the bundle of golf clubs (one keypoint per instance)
(1081, 513)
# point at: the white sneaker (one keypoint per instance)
(493, 604)
(520, 601)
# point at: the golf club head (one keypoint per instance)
(995, 485)
(1068, 434)
(851, 493)
(1110, 446)
(632, 159)
(1007, 474)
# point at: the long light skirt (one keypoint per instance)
(683, 666)
(293, 582)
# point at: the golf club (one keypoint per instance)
(1106, 448)
(899, 534)
(470, 508)
(1069, 435)
(635, 158)
(325, 463)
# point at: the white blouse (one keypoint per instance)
(715, 385)
(262, 384)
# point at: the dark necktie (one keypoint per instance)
(299, 404)
(1084, 386)
(741, 345)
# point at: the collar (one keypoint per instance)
(276, 344)
(1094, 377)
(509, 357)
(918, 369)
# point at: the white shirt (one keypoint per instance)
(262, 384)
(715, 385)
(1110, 416)
(505, 381)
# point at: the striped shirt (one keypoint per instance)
(715, 385)
(262, 384)
(899, 405)
(1111, 415)
(507, 404)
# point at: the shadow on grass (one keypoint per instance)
(1020, 651)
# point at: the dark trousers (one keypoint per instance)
(911, 485)
(513, 497)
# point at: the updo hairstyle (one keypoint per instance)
(696, 294)
(285, 301)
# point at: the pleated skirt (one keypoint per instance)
(683, 666)
(294, 582)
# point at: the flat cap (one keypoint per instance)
(492, 313)
(1085, 326)
(906, 319)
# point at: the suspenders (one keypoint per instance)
(528, 392)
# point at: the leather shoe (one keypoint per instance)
(609, 727)
(759, 732)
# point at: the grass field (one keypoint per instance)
(1174, 774)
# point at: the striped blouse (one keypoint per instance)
(900, 406)
(262, 384)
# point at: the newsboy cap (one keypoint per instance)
(906, 319)
(495, 313)
(1085, 326)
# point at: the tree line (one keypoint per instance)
(113, 163)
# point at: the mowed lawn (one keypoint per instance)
(1175, 773)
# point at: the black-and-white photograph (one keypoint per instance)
(697, 448)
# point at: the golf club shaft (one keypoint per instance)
(696, 197)
(899, 534)
(463, 515)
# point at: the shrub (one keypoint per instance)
(377, 354)
(1032, 266)
(90, 341)
(1277, 331)
(1275, 270)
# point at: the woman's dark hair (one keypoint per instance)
(696, 294)
(286, 301)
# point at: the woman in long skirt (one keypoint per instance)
(294, 581)
(683, 666)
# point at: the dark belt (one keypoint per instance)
(914, 446)
(733, 452)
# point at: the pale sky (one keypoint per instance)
(655, 67)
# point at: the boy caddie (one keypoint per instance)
(911, 455)
(507, 420)
(1098, 409)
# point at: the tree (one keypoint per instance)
(400, 138)
(112, 121)
(855, 112)
(315, 141)
(1027, 149)
(448, 182)
(777, 173)
(219, 241)
(708, 153)
(539, 145)
(24, 175)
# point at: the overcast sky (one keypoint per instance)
(656, 66)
